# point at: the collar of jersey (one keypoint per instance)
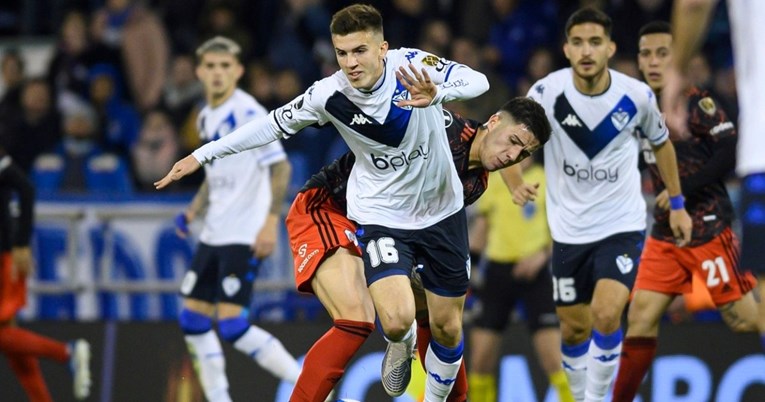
(379, 83)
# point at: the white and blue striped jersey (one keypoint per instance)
(240, 186)
(747, 18)
(591, 160)
(403, 177)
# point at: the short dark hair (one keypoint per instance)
(655, 27)
(589, 14)
(356, 18)
(531, 114)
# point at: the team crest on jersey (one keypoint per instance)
(401, 95)
(619, 119)
(624, 263)
(430, 60)
(231, 285)
(707, 105)
(448, 118)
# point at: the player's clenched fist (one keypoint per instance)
(183, 167)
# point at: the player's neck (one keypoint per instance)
(595, 85)
(215, 101)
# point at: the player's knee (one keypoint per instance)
(447, 333)
(397, 329)
(606, 319)
(573, 333)
(194, 323)
(231, 329)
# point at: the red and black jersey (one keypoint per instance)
(704, 160)
(461, 133)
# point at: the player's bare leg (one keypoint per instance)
(444, 356)
(340, 285)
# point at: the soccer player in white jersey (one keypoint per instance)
(237, 228)
(403, 190)
(689, 21)
(595, 208)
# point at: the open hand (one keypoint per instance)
(183, 167)
(421, 89)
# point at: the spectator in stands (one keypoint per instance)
(466, 51)
(79, 165)
(156, 151)
(299, 42)
(221, 20)
(436, 37)
(260, 84)
(523, 26)
(68, 70)
(12, 71)
(182, 90)
(540, 63)
(118, 119)
(140, 37)
(35, 129)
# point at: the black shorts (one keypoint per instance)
(501, 292)
(442, 248)
(220, 274)
(577, 268)
(753, 224)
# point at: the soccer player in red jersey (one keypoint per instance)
(705, 157)
(23, 348)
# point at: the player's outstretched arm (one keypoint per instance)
(180, 169)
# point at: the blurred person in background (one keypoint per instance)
(240, 201)
(183, 91)
(67, 73)
(705, 158)
(120, 122)
(436, 37)
(521, 27)
(21, 347)
(156, 150)
(541, 62)
(12, 73)
(35, 129)
(79, 164)
(516, 246)
(468, 52)
(138, 36)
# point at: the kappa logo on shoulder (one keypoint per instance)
(359, 119)
(571, 121)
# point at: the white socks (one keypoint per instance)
(604, 359)
(575, 366)
(210, 365)
(269, 353)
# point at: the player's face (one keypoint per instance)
(588, 48)
(653, 58)
(506, 143)
(219, 73)
(360, 56)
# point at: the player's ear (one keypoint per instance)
(611, 48)
(383, 48)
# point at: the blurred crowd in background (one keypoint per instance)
(116, 103)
